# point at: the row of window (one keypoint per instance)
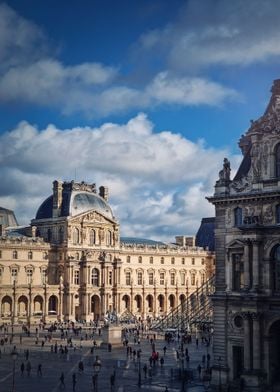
(29, 275)
(163, 278)
(162, 260)
(29, 255)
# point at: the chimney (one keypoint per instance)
(57, 198)
(103, 192)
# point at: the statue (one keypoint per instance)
(224, 174)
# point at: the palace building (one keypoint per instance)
(71, 264)
(247, 243)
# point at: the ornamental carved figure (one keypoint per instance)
(268, 214)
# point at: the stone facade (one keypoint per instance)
(71, 264)
(247, 234)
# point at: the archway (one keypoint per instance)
(6, 306)
(274, 354)
(161, 303)
(38, 305)
(150, 303)
(138, 301)
(22, 306)
(171, 301)
(95, 307)
(53, 304)
(126, 302)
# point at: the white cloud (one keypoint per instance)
(31, 74)
(217, 32)
(157, 180)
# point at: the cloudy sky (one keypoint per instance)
(146, 97)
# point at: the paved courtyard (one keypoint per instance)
(125, 367)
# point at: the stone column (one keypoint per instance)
(255, 264)
(256, 341)
(247, 349)
(246, 265)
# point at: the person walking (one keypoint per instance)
(112, 382)
(61, 379)
(74, 382)
(145, 369)
(39, 370)
(199, 370)
(22, 369)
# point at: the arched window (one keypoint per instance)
(183, 278)
(162, 260)
(277, 160)
(140, 259)
(95, 277)
(278, 213)
(109, 238)
(92, 237)
(29, 273)
(172, 260)
(151, 260)
(15, 254)
(192, 279)
(30, 255)
(276, 268)
(238, 217)
(60, 235)
(76, 236)
(128, 259)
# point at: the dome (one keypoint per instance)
(75, 203)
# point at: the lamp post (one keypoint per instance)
(14, 356)
(220, 380)
(96, 367)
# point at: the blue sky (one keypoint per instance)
(146, 97)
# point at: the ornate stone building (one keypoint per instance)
(247, 234)
(70, 263)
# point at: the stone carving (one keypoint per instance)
(241, 185)
(265, 153)
(224, 174)
(256, 160)
(268, 215)
(228, 216)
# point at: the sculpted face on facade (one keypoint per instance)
(246, 302)
(71, 264)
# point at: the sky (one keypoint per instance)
(146, 97)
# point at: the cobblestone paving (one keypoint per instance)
(125, 367)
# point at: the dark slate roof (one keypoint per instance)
(7, 218)
(75, 203)
(205, 236)
(244, 166)
(141, 241)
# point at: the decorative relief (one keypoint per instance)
(265, 154)
(268, 215)
(256, 155)
(241, 185)
(228, 216)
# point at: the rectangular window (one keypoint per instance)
(192, 279)
(127, 278)
(151, 278)
(44, 276)
(14, 274)
(183, 260)
(172, 260)
(0, 254)
(76, 277)
(140, 278)
(29, 274)
(183, 278)
(1, 274)
(161, 278)
(193, 261)
(110, 277)
(151, 260)
(238, 272)
(172, 278)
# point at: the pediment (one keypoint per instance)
(91, 217)
(235, 244)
